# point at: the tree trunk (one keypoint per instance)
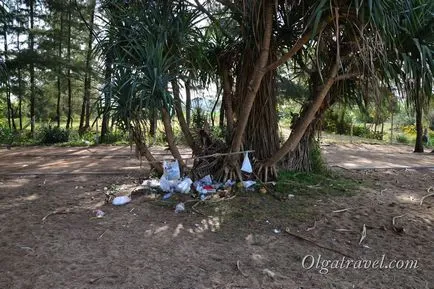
(144, 151)
(304, 121)
(255, 78)
(188, 102)
(20, 100)
(382, 129)
(85, 109)
(300, 159)
(107, 95)
(59, 71)
(32, 70)
(391, 129)
(227, 81)
(171, 136)
(222, 114)
(20, 91)
(215, 106)
(10, 110)
(181, 119)
(418, 148)
(69, 117)
(153, 123)
(261, 132)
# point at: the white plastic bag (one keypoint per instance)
(248, 184)
(184, 186)
(122, 200)
(171, 170)
(180, 208)
(247, 166)
(165, 184)
(206, 180)
(151, 183)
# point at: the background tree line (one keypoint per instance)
(48, 51)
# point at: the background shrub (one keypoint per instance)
(53, 135)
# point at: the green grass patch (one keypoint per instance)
(275, 207)
(314, 184)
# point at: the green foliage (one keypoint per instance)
(361, 131)
(314, 184)
(403, 139)
(198, 118)
(317, 162)
(116, 137)
(405, 119)
(409, 129)
(53, 135)
(6, 135)
(431, 122)
(337, 122)
(11, 137)
(81, 139)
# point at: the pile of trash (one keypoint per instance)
(205, 188)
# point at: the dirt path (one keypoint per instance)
(101, 160)
(121, 159)
(367, 156)
(145, 245)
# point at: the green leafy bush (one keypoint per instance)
(198, 118)
(81, 139)
(402, 139)
(6, 135)
(318, 164)
(115, 137)
(335, 123)
(409, 129)
(361, 131)
(53, 135)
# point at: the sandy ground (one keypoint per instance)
(368, 156)
(145, 245)
(116, 159)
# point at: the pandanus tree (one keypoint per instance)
(343, 33)
(148, 40)
(340, 45)
(353, 40)
(412, 66)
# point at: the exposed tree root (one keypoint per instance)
(266, 172)
(230, 170)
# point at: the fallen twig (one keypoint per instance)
(311, 228)
(220, 200)
(273, 275)
(342, 210)
(91, 281)
(25, 248)
(239, 269)
(343, 230)
(269, 273)
(363, 234)
(193, 208)
(395, 228)
(57, 212)
(316, 244)
(424, 197)
(100, 236)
